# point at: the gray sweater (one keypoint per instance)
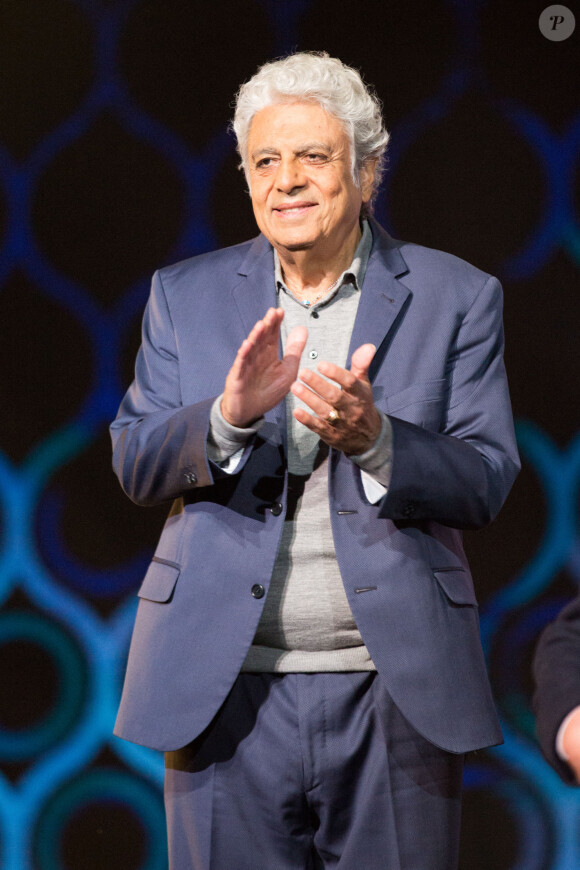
(307, 624)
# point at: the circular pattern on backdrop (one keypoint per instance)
(531, 71)
(429, 190)
(30, 321)
(41, 725)
(132, 201)
(512, 648)
(112, 560)
(98, 817)
(35, 67)
(202, 88)
(496, 799)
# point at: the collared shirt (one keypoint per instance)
(306, 622)
(354, 275)
(330, 322)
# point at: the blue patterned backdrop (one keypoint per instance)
(115, 159)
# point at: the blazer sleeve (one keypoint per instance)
(556, 669)
(460, 476)
(159, 445)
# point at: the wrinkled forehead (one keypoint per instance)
(296, 124)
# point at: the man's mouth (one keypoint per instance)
(293, 209)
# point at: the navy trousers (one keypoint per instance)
(312, 771)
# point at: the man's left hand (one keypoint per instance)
(346, 393)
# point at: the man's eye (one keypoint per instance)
(316, 158)
(264, 163)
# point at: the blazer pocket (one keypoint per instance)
(457, 585)
(159, 581)
(420, 403)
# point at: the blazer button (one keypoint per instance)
(409, 509)
(258, 590)
(190, 477)
(276, 509)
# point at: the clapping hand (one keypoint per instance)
(259, 379)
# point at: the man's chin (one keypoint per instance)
(296, 244)
(299, 246)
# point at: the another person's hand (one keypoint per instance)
(259, 379)
(345, 416)
(571, 743)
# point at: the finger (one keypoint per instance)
(324, 388)
(263, 335)
(331, 436)
(317, 404)
(335, 377)
(255, 333)
(247, 352)
(268, 333)
(295, 344)
(361, 360)
(315, 424)
(273, 318)
(349, 380)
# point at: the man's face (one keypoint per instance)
(302, 190)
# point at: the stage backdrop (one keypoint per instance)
(115, 159)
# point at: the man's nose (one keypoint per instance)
(290, 176)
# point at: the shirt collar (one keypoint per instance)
(355, 273)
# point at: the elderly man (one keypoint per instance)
(307, 650)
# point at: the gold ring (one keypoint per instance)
(333, 417)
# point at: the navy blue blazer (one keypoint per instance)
(438, 373)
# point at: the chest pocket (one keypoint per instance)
(423, 404)
(457, 585)
(159, 581)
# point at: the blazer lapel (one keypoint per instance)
(383, 296)
(253, 294)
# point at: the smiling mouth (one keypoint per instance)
(294, 210)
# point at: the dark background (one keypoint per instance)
(114, 160)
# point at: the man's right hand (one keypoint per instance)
(259, 379)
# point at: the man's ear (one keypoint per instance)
(367, 177)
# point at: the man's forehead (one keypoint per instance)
(302, 119)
